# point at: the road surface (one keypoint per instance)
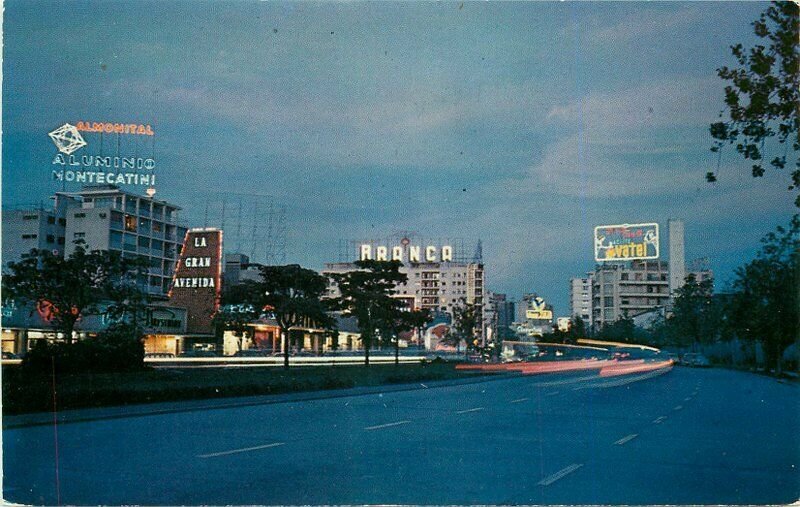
(686, 436)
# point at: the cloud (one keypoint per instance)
(642, 24)
(678, 102)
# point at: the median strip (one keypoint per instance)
(624, 440)
(470, 410)
(560, 474)
(387, 425)
(236, 451)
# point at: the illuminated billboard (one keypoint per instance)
(538, 310)
(539, 315)
(196, 284)
(406, 252)
(95, 165)
(625, 242)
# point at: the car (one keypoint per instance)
(696, 359)
(674, 357)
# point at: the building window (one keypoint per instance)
(102, 215)
(62, 222)
(79, 235)
(80, 215)
(50, 238)
(51, 220)
(61, 240)
(130, 223)
(29, 236)
(30, 217)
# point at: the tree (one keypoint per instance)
(621, 330)
(762, 95)
(765, 304)
(366, 293)
(66, 289)
(465, 320)
(295, 296)
(577, 327)
(240, 305)
(694, 313)
(419, 319)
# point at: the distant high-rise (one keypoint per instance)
(677, 262)
(580, 298)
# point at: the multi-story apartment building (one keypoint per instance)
(32, 227)
(580, 298)
(498, 314)
(437, 285)
(103, 217)
(626, 290)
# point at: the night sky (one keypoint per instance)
(522, 124)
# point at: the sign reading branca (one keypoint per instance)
(406, 252)
(97, 169)
(625, 242)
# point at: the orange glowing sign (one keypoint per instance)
(115, 128)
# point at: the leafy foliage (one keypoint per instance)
(295, 296)
(118, 348)
(366, 293)
(240, 305)
(695, 316)
(765, 305)
(465, 321)
(70, 288)
(762, 95)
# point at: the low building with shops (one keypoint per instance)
(163, 327)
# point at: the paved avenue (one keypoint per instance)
(541, 439)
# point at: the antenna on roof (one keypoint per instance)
(478, 259)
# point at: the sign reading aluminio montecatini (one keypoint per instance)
(196, 284)
(625, 242)
(96, 167)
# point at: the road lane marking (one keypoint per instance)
(560, 474)
(551, 394)
(678, 407)
(519, 400)
(387, 425)
(659, 419)
(687, 399)
(470, 410)
(624, 440)
(236, 451)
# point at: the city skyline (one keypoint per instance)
(367, 120)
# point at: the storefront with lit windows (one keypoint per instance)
(164, 328)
